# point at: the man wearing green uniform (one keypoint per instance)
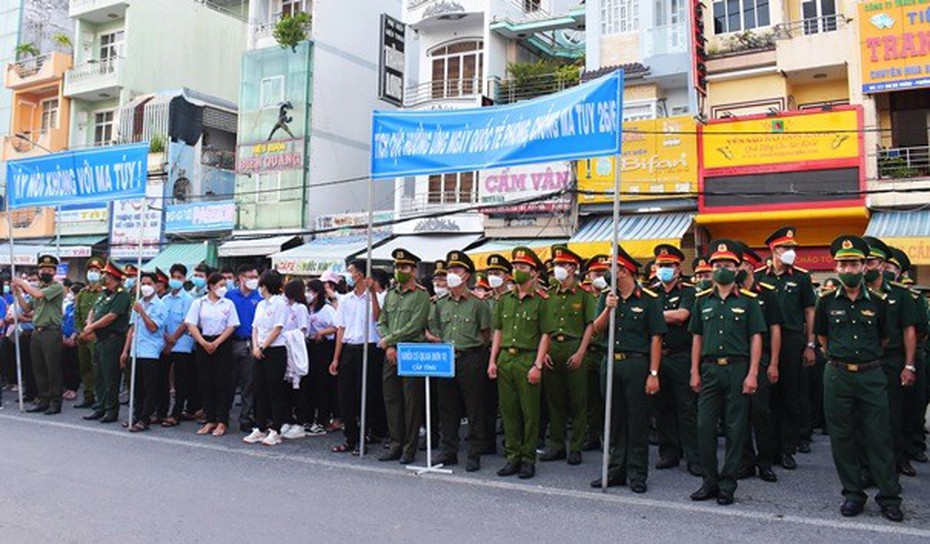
(639, 328)
(518, 350)
(703, 274)
(569, 315)
(727, 324)
(498, 271)
(461, 319)
(108, 322)
(596, 270)
(851, 326)
(83, 304)
(403, 319)
(796, 299)
(675, 403)
(46, 303)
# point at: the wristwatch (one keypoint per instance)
(812, 345)
(911, 368)
(538, 366)
(654, 373)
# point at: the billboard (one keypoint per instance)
(894, 45)
(126, 219)
(499, 186)
(200, 217)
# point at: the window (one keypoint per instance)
(457, 69)
(530, 6)
(290, 8)
(268, 188)
(619, 16)
(103, 127)
(819, 16)
(111, 48)
(272, 92)
(49, 114)
(453, 188)
(638, 110)
(740, 15)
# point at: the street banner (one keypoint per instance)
(578, 123)
(101, 174)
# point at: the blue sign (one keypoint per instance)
(100, 175)
(426, 360)
(578, 123)
(62, 270)
(201, 216)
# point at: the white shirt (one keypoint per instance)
(270, 313)
(212, 317)
(298, 318)
(351, 315)
(321, 320)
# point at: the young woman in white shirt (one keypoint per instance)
(321, 336)
(298, 319)
(211, 320)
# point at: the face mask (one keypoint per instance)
(69, 297)
(93, 276)
(741, 276)
(851, 279)
(6, 289)
(33, 284)
(521, 276)
(724, 276)
(665, 274)
(704, 285)
(147, 290)
(454, 280)
(221, 291)
(46, 278)
(311, 297)
(495, 281)
(401, 277)
(130, 283)
(175, 284)
(350, 281)
(441, 291)
(889, 275)
(788, 257)
(251, 285)
(872, 275)
(230, 285)
(199, 282)
(560, 273)
(599, 283)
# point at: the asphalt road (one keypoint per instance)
(66, 480)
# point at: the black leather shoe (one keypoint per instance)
(668, 463)
(705, 493)
(638, 486)
(905, 468)
(407, 459)
(85, 404)
(695, 470)
(550, 455)
(745, 472)
(725, 498)
(766, 474)
(788, 462)
(390, 455)
(527, 471)
(473, 464)
(95, 415)
(447, 460)
(52, 409)
(509, 469)
(920, 457)
(591, 444)
(893, 513)
(574, 458)
(109, 418)
(851, 508)
(613, 480)
(37, 407)
(804, 446)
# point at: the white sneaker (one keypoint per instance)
(254, 438)
(316, 430)
(295, 432)
(273, 438)
(284, 428)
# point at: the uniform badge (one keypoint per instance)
(868, 313)
(674, 300)
(738, 310)
(847, 244)
(636, 309)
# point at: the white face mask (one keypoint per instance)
(599, 283)
(454, 280)
(561, 273)
(251, 285)
(220, 291)
(440, 291)
(788, 257)
(311, 297)
(148, 290)
(495, 281)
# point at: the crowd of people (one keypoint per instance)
(746, 348)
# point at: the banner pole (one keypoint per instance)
(16, 309)
(370, 297)
(57, 234)
(135, 332)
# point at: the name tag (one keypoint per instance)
(707, 310)
(837, 312)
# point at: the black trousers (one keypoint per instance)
(163, 386)
(787, 393)
(269, 387)
(69, 368)
(30, 390)
(323, 392)
(350, 389)
(185, 384)
(215, 374)
(145, 401)
(464, 395)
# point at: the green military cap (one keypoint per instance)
(849, 248)
(402, 256)
(499, 262)
(525, 255)
(906, 279)
(481, 280)
(668, 254)
(726, 250)
(748, 255)
(782, 237)
(701, 264)
(561, 254)
(626, 261)
(95, 262)
(877, 248)
(550, 265)
(48, 260)
(111, 269)
(900, 258)
(598, 262)
(440, 269)
(459, 258)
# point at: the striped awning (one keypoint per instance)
(190, 255)
(322, 254)
(638, 234)
(908, 231)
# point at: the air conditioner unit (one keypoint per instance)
(680, 110)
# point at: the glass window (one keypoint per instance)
(111, 48)
(740, 15)
(290, 8)
(453, 188)
(272, 92)
(49, 114)
(619, 16)
(104, 121)
(268, 188)
(457, 69)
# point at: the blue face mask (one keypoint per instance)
(175, 284)
(665, 274)
(230, 285)
(130, 283)
(350, 281)
(199, 282)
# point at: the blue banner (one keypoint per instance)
(201, 217)
(578, 123)
(426, 360)
(100, 175)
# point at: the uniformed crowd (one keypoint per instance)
(745, 348)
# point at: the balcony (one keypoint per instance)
(508, 91)
(741, 51)
(36, 72)
(263, 31)
(421, 13)
(665, 40)
(97, 11)
(795, 41)
(445, 94)
(95, 80)
(433, 202)
(904, 162)
(17, 148)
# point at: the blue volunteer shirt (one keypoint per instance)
(177, 306)
(67, 322)
(245, 307)
(148, 344)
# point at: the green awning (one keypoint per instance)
(188, 254)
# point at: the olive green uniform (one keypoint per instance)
(404, 318)
(915, 399)
(639, 319)
(83, 304)
(110, 342)
(726, 326)
(761, 421)
(45, 349)
(593, 361)
(521, 323)
(855, 399)
(463, 323)
(567, 314)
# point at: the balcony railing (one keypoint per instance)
(508, 91)
(806, 27)
(443, 89)
(904, 162)
(93, 69)
(436, 202)
(666, 40)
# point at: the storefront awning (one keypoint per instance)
(638, 234)
(907, 231)
(190, 255)
(79, 246)
(815, 226)
(257, 247)
(541, 246)
(322, 254)
(428, 247)
(24, 254)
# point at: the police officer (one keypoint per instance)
(518, 350)
(463, 320)
(83, 304)
(46, 302)
(851, 325)
(498, 271)
(796, 299)
(675, 404)
(403, 318)
(727, 324)
(640, 326)
(596, 270)
(440, 283)
(569, 313)
(109, 322)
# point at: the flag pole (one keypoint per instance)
(135, 331)
(369, 297)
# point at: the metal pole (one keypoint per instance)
(57, 234)
(16, 309)
(369, 297)
(429, 433)
(135, 332)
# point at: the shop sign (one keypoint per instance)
(500, 186)
(270, 156)
(894, 45)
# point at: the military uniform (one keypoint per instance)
(594, 360)
(45, 349)
(404, 318)
(499, 263)
(915, 398)
(110, 342)
(855, 400)
(83, 304)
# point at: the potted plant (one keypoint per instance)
(26, 62)
(291, 30)
(63, 42)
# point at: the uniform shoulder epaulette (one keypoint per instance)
(704, 292)
(768, 286)
(899, 285)
(828, 291)
(879, 295)
(799, 269)
(748, 293)
(651, 293)
(543, 293)
(761, 269)
(420, 287)
(686, 284)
